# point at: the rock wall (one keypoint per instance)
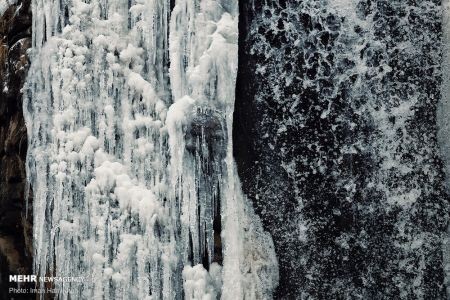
(15, 227)
(335, 141)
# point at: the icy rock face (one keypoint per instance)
(443, 122)
(130, 157)
(335, 134)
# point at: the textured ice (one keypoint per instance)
(201, 284)
(130, 156)
(4, 4)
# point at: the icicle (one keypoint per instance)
(203, 47)
(128, 188)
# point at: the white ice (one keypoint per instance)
(126, 179)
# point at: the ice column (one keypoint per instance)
(131, 164)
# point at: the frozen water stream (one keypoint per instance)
(129, 110)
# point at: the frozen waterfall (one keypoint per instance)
(129, 109)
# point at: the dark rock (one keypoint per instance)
(15, 225)
(330, 145)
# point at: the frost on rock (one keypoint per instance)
(336, 100)
(130, 161)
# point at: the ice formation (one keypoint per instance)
(129, 109)
(4, 4)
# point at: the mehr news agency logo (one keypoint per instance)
(43, 279)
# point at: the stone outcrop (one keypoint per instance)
(15, 225)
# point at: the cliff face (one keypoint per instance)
(15, 228)
(335, 142)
